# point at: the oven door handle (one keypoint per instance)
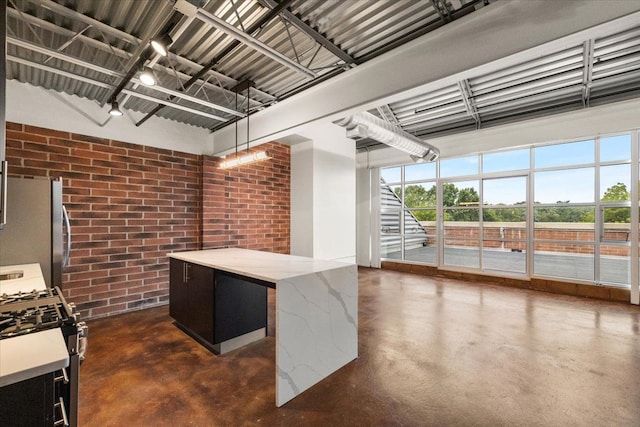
(65, 217)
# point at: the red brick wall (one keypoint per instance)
(514, 237)
(248, 206)
(130, 205)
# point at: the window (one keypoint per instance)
(459, 167)
(456, 215)
(506, 161)
(574, 153)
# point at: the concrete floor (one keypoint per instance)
(433, 351)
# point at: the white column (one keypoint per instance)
(323, 194)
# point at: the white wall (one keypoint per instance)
(323, 194)
(302, 215)
(49, 109)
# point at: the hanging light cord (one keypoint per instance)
(248, 93)
(236, 123)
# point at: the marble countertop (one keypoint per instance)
(31, 280)
(30, 355)
(267, 266)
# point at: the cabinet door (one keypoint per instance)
(201, 301)
(178, 294)
(240, 306)
(28, 403)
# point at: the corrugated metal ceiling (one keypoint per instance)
(595, 72)
(86, 47)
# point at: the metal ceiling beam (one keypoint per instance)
(235, 43)
(116, 33)
(188, 9)
(430, 26)
(469, 102)
(314, 33)
(387, 113)
(64, 57)
(77, 16)
(587, 72)
(109, 86)
(443, 8)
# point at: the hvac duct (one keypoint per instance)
(366, 125)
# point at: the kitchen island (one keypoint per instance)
(316, 309)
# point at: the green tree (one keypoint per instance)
(617, 193)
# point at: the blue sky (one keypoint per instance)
(576, 185)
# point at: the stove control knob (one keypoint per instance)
(72, 306)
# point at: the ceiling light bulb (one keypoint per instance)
(115, 110)
(147, 77)
(161, 44)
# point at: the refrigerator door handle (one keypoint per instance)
(65, 217)
(3, 192)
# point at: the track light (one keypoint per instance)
(147, 78)
(115, 110)
(161, 44)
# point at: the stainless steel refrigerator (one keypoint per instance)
(33, 232)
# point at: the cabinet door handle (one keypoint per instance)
(186, 272)
(64, 421)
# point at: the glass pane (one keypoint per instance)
(462, 253)
(573, 153)
(615, 183)
(506, 161)
(465, 193)
(617, 227)
(412, 224)
(420, 171)
(512, 217)
(420, 195)
(425, 216)
(463, 227)
(496, 256)
(459, 167)
(390, 175)
(390, 197)
(615, 148)
(564, 186)
(390, 247)
(564, 223)
(571, 261)
(461, 215)
(615, 265)
(390, 222)
(420, 249)
(504, 191)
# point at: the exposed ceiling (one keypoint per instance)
(593, 72)
(89, 48)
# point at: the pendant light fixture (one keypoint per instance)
(248, 157)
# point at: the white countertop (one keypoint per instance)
(30, 355)
(31, 280)
(261, 265)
